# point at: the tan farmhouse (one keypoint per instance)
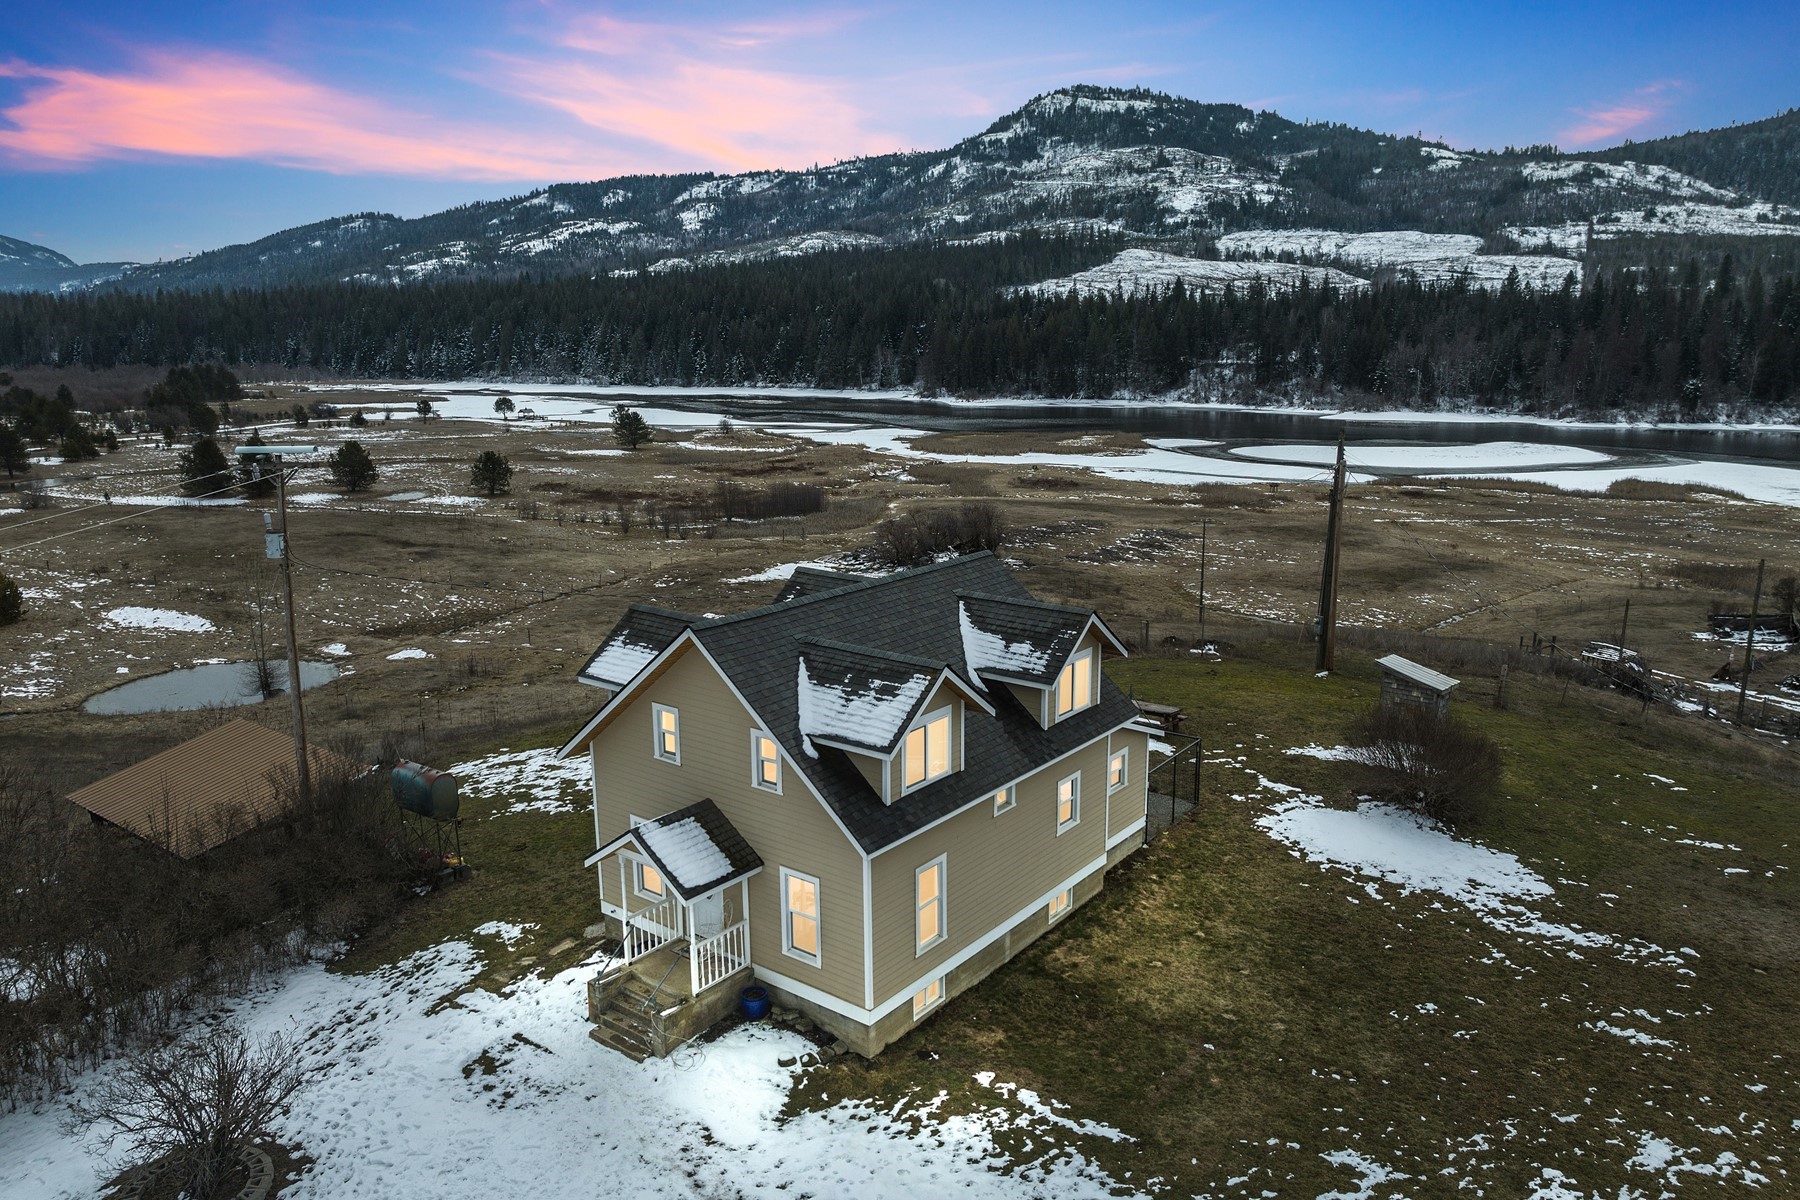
(865, 796)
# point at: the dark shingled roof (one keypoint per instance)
(1046, 632)
(643, 633)
(809, 581)
(740, 857)
(880, 676)
(912, 614)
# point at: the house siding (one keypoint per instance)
(1125, 807)
(942, 696)
(790, 830)
(995, 866)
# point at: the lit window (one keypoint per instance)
(929, 898)
(668, 732)
(928, 996)
(1075, 686)
(1005, 799)
(649, 881)
(1061, 903)
(800, 923)
(927, 752)
(1115, 771)
(766, 773)
(1068, 802)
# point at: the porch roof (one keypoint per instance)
(695, 848)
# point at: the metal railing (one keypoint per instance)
(712, 959)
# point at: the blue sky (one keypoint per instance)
(138, 131)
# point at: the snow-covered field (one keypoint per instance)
(534, 780)
(1432, 257)
(133, 616)
(1134, 271)
(1481, 456)
(426, 1086)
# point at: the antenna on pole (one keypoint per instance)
(1326, 658)
(275, 546)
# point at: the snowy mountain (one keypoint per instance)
(28, 267)
(1169, 174)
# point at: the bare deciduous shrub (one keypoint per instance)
(1440, 767)
(916, 537)
(192, 1104)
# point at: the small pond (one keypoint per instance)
(211, 685)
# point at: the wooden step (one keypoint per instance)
(613, 1042)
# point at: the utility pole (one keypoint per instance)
(1750, 640)
(1203, 524)
(1326, 658)
(275, 546)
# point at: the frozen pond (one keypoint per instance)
(211, 685)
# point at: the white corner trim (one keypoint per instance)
(1125, 833)
(868, 912)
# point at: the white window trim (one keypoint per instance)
(787, 929)
(1009, 794)
(931, 1002)
(656, 750)
(1067, 896)
(942, 902)
(1063, 826)
(756, 762)
(1082, 703)
(944, 714)
(1123, 758)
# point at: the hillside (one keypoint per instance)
(1136, 164)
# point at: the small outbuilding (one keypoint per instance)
(199, 795)
(1406, 682)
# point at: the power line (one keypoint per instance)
(115, 520)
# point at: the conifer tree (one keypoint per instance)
(351, 467)
(203, 468)
(491, 473)
(629, 428)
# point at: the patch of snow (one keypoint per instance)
(530, 780)
(133, 617)
(506, 931)
(335, 649)
(1482, 456)
(786, 570)
(987, 651)
(410, 652)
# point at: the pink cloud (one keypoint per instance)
(210, 105)
(1614, 121)
(704, 93)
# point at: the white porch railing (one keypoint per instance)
(712, 959)
(649, 928)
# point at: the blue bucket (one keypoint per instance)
(753, 1002)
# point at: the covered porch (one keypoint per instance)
(678, 888)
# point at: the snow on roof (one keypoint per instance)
(621, 658)
(685, 851)
(987, 651)
(1424, 676)
(867, 711)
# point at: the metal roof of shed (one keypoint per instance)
(1437, 681)
(207, 790)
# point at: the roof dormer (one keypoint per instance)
(1048, 655)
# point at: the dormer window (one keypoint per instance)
(925, 755)
(1075, 686)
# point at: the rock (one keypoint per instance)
(788, 1061)
(594, 931)
(803, 1025)
(840, 1047)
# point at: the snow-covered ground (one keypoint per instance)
(132, 616)
(1747, 220)
(1134, 271)
(1481, 456)
(1432, 257)
(413, 1095)
(535, 780)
